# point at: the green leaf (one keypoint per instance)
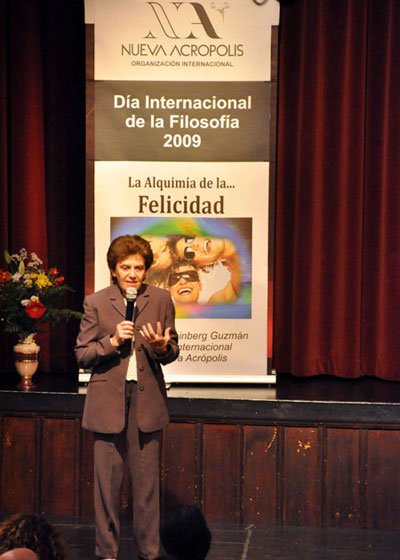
(21, 268)
(7, 257)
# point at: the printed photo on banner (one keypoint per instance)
(205, 263)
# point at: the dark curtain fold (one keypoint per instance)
(337, 210)
(42, 131)
(381, 248)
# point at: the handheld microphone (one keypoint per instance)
(131, 294)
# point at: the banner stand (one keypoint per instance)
(181, 127)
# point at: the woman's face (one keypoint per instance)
(184, 284)
(129, 272)
(200, 250)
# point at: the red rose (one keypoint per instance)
(4, 276)
(35, 309)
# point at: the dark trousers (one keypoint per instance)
(142, 451)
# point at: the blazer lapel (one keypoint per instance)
(142, 301)
(117, 301)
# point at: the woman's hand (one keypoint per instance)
(123, 331)
(156, 338)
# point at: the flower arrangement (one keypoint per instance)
(28, 294)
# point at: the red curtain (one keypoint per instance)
(337, 252)
(42, 145)
(337, 248)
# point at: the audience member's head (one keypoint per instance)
(19, 554)
(33, 532)
(184, 533)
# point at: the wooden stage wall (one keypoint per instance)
(305, 475)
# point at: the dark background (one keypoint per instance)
(114, 141)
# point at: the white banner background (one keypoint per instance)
(146, 48)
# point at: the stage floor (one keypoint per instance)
(260, 543)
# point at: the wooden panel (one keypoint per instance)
(301, 484)
(221, 473)
(59, 463)
(342, 481)
(19, 465)
(179, 465)
(383, 480)
(259, 474)
(341, 476)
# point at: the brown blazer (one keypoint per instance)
(104, 409)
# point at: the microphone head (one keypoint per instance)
(131, 294)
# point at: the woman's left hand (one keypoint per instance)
(156, 338)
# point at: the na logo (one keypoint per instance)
(182, 20)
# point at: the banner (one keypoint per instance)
(182, 128)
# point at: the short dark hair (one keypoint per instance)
(31, 531)
(185, 534)
(178, 264)
(171, 243)
(125, 245)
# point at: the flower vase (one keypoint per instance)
(26, 356)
